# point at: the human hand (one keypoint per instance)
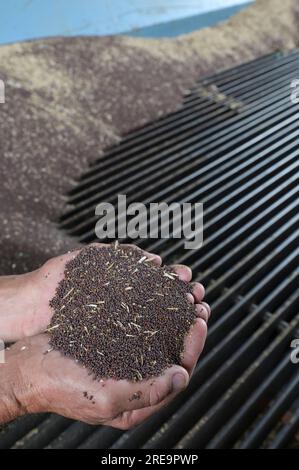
(51, 382)
(24, 299)
(45, 380)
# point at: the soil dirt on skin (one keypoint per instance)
(68, 99)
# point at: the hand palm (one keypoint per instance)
(45, 281)
(65, 387)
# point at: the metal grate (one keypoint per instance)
(234, 146)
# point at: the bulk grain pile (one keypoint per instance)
(119, 314)
(53, 126)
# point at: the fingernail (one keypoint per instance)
(207, 307)
(178, 382)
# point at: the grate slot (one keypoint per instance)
(87, 224)
(102, 438)
(285, 131)
(228, 208)
(284, 436)
(141, 435)
(243, 134)
(71, 437)
(17, 429)
(238, 394)
(117, 152)
(274, 413)
(209, 391)
(43, 433)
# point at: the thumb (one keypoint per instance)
(132, 396)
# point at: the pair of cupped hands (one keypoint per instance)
(50, 382)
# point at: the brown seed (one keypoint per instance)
(114, 337)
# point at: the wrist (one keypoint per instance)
(11, 401)
(17, 304)
(20, 379)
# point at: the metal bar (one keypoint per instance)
(169, 124)
(139, 435)
(259, 76)
(86, 214)
(153, 126)
(211, 189)
(76, 198)
(284, 436)
(41, 435)
(245, 66)
(102, 438)
(228, 207)
(180, 136)
(249, 265)
(211, 252)
(72, 436)
(274, 413)
(17, 429)
(260, 280)
(255, 404)
(211, 380)
(238, 393)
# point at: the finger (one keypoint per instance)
(63, 259)
(130, 419)
(208, 308)
(202, 312)
(151, 256)
(198, 291)
(194, 344)
(184, 272)
(130, 396)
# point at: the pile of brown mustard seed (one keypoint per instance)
(119, 314)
